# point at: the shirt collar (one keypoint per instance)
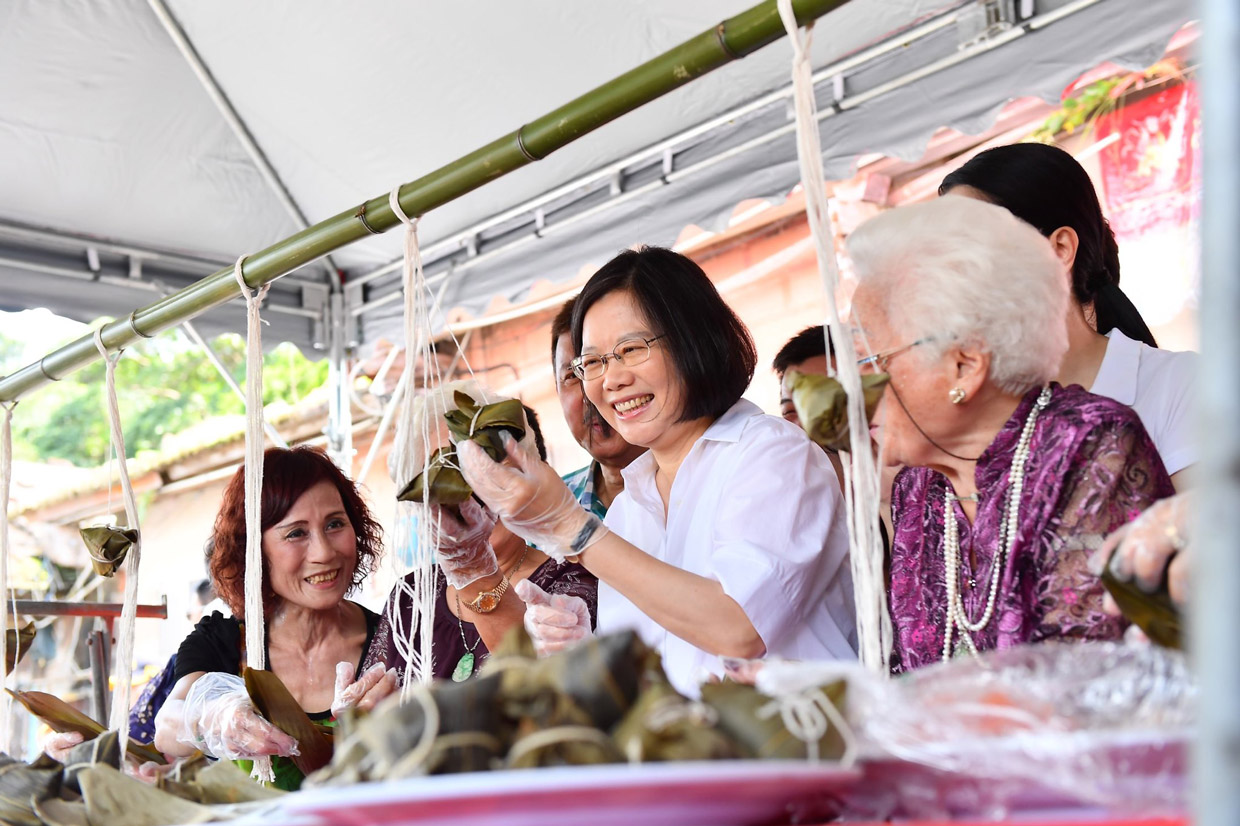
(1117, 375)
(639, 475)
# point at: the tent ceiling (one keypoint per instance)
(107, 134)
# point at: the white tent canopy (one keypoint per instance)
(119, 174)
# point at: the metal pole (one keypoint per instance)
(64, 608)
(179, 38)
(731, 40)
(339, 404)
(97, 646)
(222, 369)
(1216, 583)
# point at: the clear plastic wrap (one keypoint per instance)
(1101, 725)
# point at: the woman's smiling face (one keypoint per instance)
(642, 402)
(312, 552)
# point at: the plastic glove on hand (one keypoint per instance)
(462, 546)
(364, 693)
(553, 621)
(531, 498)
(220, 720)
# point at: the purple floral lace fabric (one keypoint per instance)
(1091, 469)
(446, 642)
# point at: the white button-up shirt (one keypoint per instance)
(756, 506)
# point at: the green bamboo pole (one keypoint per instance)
(731, 40)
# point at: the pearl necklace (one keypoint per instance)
(958, 622)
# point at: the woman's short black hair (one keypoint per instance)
(710, 347)
(1045, 186)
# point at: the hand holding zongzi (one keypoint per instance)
(462, 547)
(1145, 567)
(553, 621)
(219, 719)
(531, 498)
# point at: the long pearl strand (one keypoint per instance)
(957, 619)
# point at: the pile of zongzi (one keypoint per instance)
(604, 701)
(89, 789)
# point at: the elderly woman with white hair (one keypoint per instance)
(1011, 480)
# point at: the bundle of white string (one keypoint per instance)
(122, 669)
(413, 442)
(255, 621)
(255, 651)
(861, 475)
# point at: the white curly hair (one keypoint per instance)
(960, 270)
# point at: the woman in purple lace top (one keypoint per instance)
(964, 305)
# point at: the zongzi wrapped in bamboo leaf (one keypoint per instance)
(450, 727)
(563, 746)
(1154, 613)
(601, 676)
(484, 424)
(442, 478)
(23, 783)
(822, 405)
(55, 811)
(104, 749)
(223, 782)
(113, 799)
(274, 702)
(750, 718)
(664, 726)
(17, 643)
(108, 545)
(60, 716)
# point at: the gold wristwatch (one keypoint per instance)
(488, 601)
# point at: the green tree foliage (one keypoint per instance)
(163, 386)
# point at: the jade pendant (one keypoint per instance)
(464, 667)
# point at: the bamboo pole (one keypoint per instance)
(731, 40)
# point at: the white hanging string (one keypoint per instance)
(418, 431)
(122, 663)
(255, 653)
(6, 478)
(412, 443)
(861, 474)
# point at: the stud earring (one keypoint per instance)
(956, 395)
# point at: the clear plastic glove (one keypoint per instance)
(531, 498)
(554, 621)
(463, 549)
(220, 720)
(1154, 542)
(58, 744)
(376, 683)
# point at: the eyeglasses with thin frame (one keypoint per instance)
(630, 352)
(879, 360)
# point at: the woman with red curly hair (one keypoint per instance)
(319, 542)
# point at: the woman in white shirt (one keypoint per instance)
(729, 537)
(1111, 351)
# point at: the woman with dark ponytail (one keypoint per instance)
(1111, 350)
